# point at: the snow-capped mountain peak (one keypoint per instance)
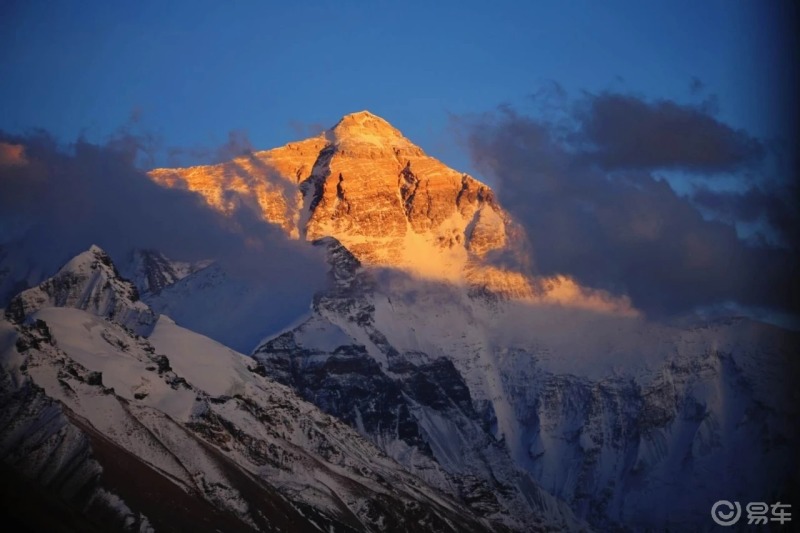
(364, 123)
(379, 194)
(391, 205)
(91, 282)
(364, 128)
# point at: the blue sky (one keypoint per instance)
(192, 71)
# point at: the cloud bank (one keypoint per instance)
(587, 183)
(618, 131)
(56, 201)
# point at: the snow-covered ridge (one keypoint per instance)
(88, 281)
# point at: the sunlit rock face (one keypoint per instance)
(380, 195)
(266, 180)
(391, 204)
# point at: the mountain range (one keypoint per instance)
(436, 383)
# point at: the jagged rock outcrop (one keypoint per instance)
(151, 271)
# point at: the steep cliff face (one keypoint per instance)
(266, 181)
(365, 184)
(390, 204)
(655, 448)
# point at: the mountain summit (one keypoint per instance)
(367, 185)
(364, 127)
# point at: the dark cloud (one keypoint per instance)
(12, 155)
(696, 85)
(55, 202)
(237, 145)
(304, 130)
(628, 231)
(775, 209)
(619, 131)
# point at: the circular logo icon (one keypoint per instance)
(726, 513)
